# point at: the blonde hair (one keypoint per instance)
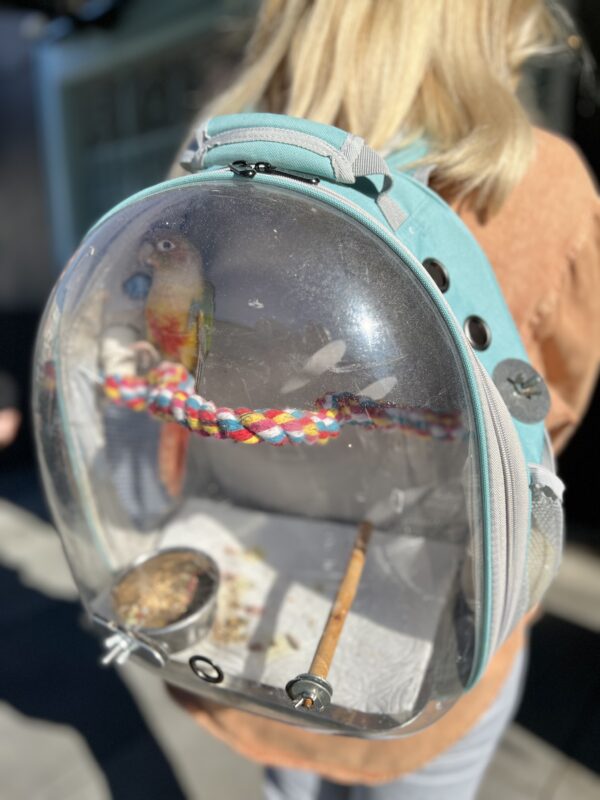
(395, 70)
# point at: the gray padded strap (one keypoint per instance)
(366, 162)
(390, 209)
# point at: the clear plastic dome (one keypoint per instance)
(233, 382)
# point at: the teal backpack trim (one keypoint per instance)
(433, 230)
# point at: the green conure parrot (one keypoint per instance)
(179, 313)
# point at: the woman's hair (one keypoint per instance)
(392, 71)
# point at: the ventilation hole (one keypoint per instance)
(478, 333)
(206, 669)
(438, 272)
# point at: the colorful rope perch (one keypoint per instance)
(167, 393)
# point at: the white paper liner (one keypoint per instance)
(268, 623)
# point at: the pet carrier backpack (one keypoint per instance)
(290, 436)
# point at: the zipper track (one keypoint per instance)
(516, 517)
(411, 261)
(504, 522)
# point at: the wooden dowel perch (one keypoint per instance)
(342, 604)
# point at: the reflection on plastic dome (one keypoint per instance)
(288, 406)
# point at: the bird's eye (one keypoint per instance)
(165, 245)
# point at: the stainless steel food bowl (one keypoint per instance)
(154, 572)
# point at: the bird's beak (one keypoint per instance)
(146, 254)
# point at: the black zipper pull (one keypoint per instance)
(243, 169)
(269, 169)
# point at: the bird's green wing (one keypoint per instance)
(202, 316)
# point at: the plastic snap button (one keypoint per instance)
(523, 390)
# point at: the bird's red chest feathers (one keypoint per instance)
(167, 333)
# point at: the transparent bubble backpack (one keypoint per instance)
(290, 436)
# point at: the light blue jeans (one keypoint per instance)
(454, 775)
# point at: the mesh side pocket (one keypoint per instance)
(546, 538)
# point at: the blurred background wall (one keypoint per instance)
(96, 97)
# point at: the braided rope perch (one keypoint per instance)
(167, 393)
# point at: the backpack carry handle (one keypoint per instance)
(293, 144)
